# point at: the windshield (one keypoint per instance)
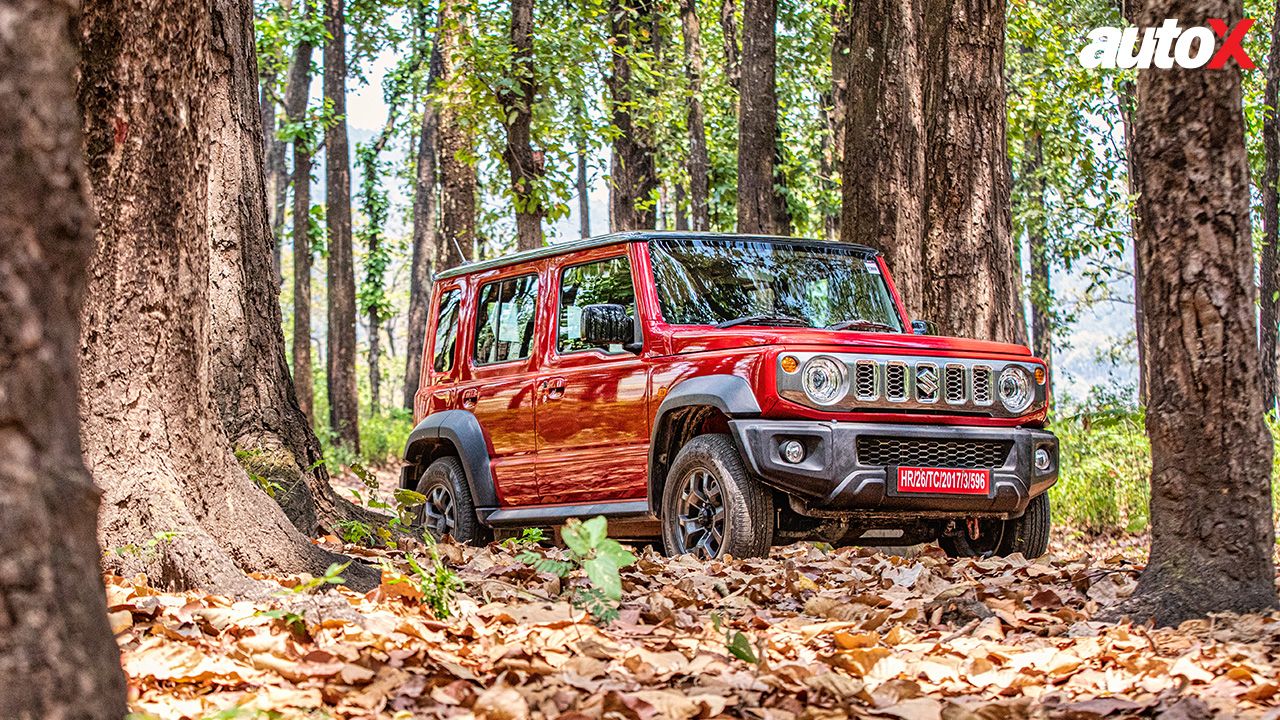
(736, 282)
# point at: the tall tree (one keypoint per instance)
(762, 208)
(967, 185)
(296, 106)
(1269, 267)
(729, 34)
(699, 160)
(1212, 536)
(56, 647)
(1041, 318)
(516, 99)
(249, 371)
(458, 185)
(884, 139)
(152, 435)
(837, 101)
(344, 404)
(425, 231)
(584, 189)
(633, 168)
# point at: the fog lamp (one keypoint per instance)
(1043, 459)
(793, 451)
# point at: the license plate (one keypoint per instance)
(944, 480)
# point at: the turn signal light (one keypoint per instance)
(790, 363)
(1039, 376)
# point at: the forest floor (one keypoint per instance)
(807, 633)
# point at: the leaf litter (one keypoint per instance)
(806, 634)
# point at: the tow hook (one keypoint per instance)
(973, 527)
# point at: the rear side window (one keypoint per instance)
(446, 332)
(504, 319)
(604, 282)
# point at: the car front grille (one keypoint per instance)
(968, 454)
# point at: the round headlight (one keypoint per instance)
(823, 380)
(1015, 389)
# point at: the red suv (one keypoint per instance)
(727, 393)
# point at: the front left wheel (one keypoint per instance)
(448, 509)
(711, 505)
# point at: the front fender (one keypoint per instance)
(462, 430)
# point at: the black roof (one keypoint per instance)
(563, 248)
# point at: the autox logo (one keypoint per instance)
(1163, 47)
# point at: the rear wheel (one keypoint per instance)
(711, 505)
(1028, 535)
(448, 509)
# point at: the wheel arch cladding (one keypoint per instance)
(688, 406)
(462, 430)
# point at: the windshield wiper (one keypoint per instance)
(861, 324)
(786, 320)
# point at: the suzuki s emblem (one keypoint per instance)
(927, 380)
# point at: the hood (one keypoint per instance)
(692, 340)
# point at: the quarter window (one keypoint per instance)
(504, 320)
(446, 332)
(604, 282)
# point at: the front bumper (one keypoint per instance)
(833, 480)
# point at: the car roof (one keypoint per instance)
(572, 246)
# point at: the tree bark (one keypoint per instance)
(523, 164)
(457, 238)
(968, 259)
(250, 374)
(425, 233)
(837, 102)
(1041, 291)
(729, 33)
(1211, 528)
(56, 647)
(296, 105)
(344, 403)
(1269, 267)
(584, 191)
(884, 143)
(633, 169)
(699, 159)
(177, 505)
(761, 205)
(1127, 99)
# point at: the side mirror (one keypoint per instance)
(604, 325)
(921, 327)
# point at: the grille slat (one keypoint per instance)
(912, 452)
(955, 384)
(895, 381)
(864, 380)
(982, 385)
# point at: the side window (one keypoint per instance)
(604, 282)
(504, 319)
(446, 332)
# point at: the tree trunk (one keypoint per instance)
(729, 33)
(699, 160)
(425, 233)
(344, 403)
(249, 371)
(56, 648)
(584, 191)
(177, 504)
(296, 105)
(276, 180)
(761, 206)
(1041, 291)
(523, 164)
(1211, 528)
(1127, 100)
(838, 102)
(884, 145)
(633, 171)
(457, 237)
(969, 262)
(1269, 268)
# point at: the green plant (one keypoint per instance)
(331, 576)
(736, 642)
(1104, 466)
(528, 537)
(256, 465)
(355, 532)
(146, 549)
(592, 550)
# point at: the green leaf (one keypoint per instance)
(410, 498)
(739, 646)
(611, 549)
(603, 572)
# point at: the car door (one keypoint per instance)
(436, 386)
(592, 402)
(500, 388)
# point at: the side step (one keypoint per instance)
(558, 514)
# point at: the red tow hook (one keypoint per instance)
(972, 525)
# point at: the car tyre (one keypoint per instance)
(1028, 534)
(712, 506)
(449, 509)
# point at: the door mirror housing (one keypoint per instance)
(604, 325)
(921, 327)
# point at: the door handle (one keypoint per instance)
(469, 398)
(552, 388)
